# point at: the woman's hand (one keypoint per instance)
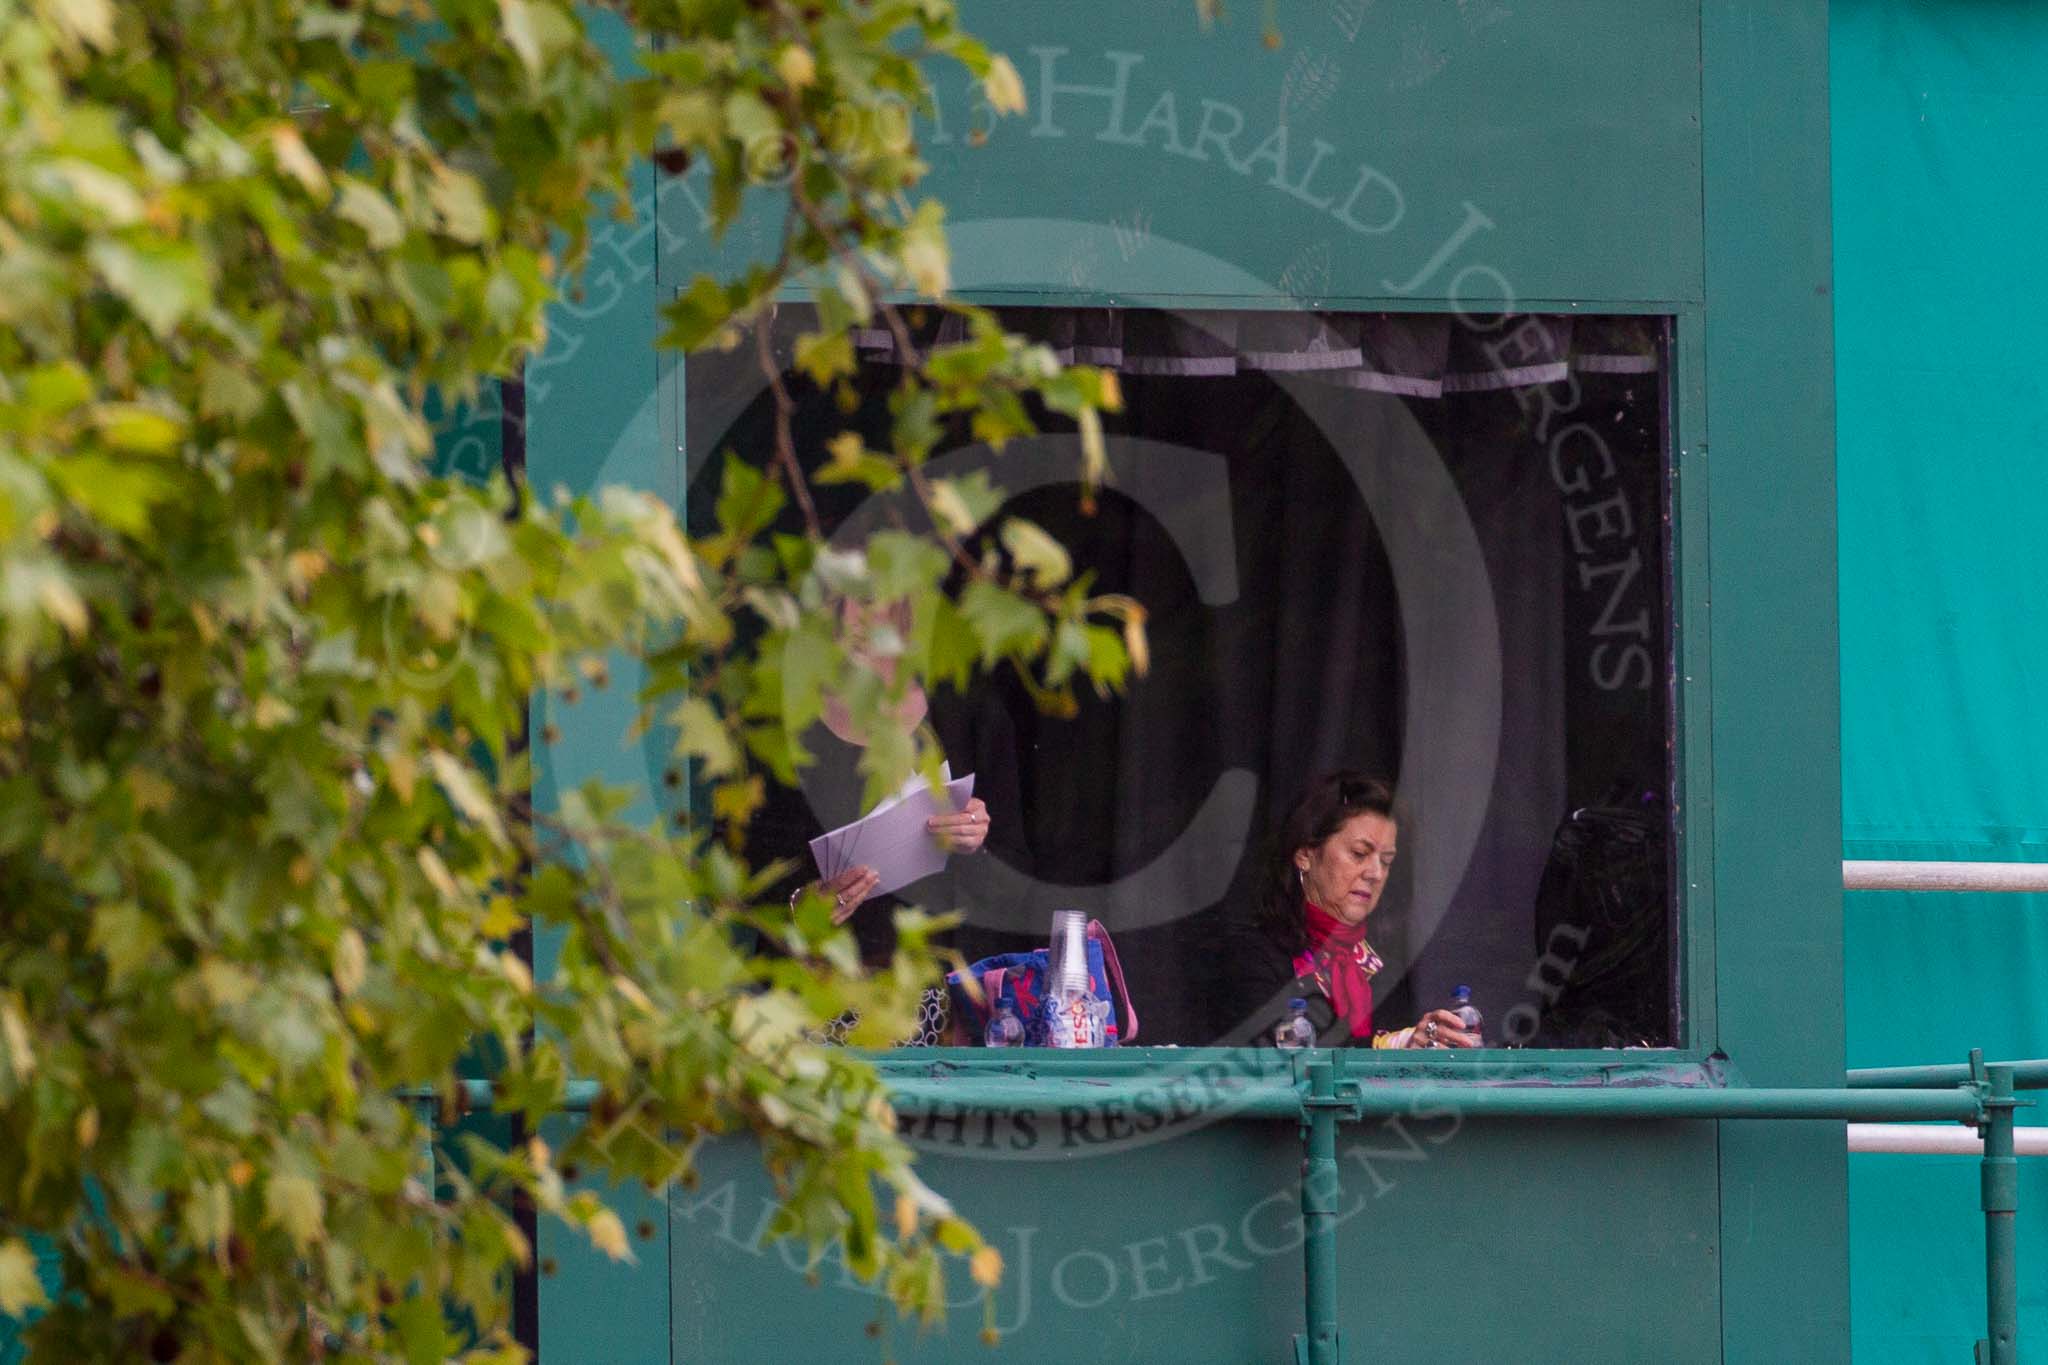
(965, 831)
(1441, 1028)
(849, 889)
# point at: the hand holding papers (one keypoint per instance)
(892, 838)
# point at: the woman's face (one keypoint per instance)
(1347, 871)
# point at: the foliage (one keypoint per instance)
(265, 832)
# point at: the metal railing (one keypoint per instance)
(1327, 1093)
(1904, 876)
(1331, 1093)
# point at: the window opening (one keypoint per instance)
(1428, 550)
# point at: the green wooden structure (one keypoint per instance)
(1652, 157)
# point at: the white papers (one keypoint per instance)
(892, 838)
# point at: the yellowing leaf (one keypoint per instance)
(1109, 391)
(1038, 555)
(437, 873)
(404, 773)
(87, 1126)
(845, 448)
(55, 595)
(1094, 453)
(21, 1056)
(351, 961)
(797, 67)
(305, 567)
(467, 791)
(272, 711)
(297, 160)
(1003, 86)
(150, 790)
(954, 503)
(906, 1217)
(89, 21)
(501, 918)
(628, 987)
(927, 263)
(608, 1234)
(459, 200)
(20, 1287)
(225, 982)
(517, 18)
(517, 972)
(986, 1266)
(293, 1202)
(118, 202)
(369, 210)
(1135, 643)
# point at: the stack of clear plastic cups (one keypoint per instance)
(1075, 1015)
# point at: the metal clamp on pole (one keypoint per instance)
(2001, 1202)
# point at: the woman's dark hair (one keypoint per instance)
(1330, 801)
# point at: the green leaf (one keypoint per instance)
(293, 1202)
(1006, 625)
(118, 493)
(947, 642)
(164, 282)
(824, 356)
(963, 504)
(702, 735)
(126, 937)
(132, 426)
(748, 502)
(696, 315)
(901, 565)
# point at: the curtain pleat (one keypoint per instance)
(1412, 355)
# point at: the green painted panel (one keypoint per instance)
(1190, 1249)
(597, 1311)
(1545, 155)
(1776, 778)
(1542, 151)
(593, 410)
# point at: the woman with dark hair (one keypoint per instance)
(1325, 875)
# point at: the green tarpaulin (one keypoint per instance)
(1941, 186)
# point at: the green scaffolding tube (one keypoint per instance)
(2001, 1201)
(1320, 1187)
(2031, 1075)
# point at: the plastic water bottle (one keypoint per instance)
(1005, 1029)
(1075, 1016)
(1468, 1014)
(1295, 1031)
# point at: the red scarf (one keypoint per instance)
(1343, 964)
